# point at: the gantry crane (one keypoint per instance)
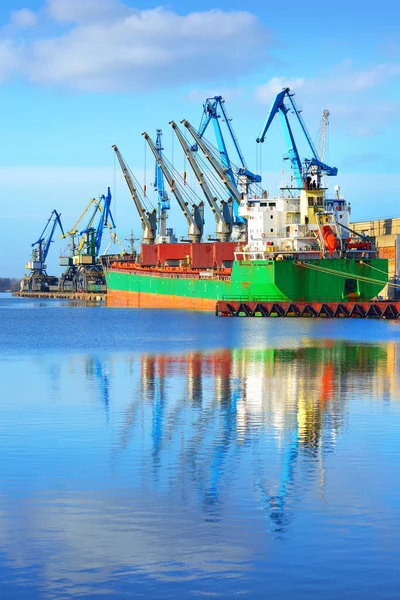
(38, 280)
(222, 212)
(195, 215)
(147, 218)
(309, 171)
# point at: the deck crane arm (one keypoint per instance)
(148, 220)
(222, 226)
(300, 171)
(195, 223)
(210, 113)
(221, 172)
(278, 106)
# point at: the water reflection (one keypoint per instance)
(283, 407)
(204, 458)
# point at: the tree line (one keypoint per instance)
(9, 284)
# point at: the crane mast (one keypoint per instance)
(224, 225)
(148, 220)
(195, 219)
(163, 204)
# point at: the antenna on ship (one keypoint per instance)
(131, 239)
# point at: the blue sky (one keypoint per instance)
(77, 76)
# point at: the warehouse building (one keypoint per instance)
(386, 235)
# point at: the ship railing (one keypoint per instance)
(321, 300)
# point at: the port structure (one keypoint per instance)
(193, 213)
(163, 202)
(374, 309)
(214, 111)
(310, 169)
(148, 217)
(222, 211)
(84, 272)
(38, 280)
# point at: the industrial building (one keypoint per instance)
(385, 233)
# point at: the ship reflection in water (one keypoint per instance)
(219, 472)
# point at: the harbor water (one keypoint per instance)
(169, 454)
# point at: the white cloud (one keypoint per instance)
(10, 58)
(106, 46)
(266, 92)
(86, 11)
(342, 80)
(23, 19)
(346, 91)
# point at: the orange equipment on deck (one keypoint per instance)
(330, 240)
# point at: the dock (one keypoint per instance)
(80, 296)
(376, 309)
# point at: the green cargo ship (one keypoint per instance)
(295, 250)
(321, 280)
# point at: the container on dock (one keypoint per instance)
(84, 259)
(65, 261)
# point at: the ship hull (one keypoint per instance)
(324, 280)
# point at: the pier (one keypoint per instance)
(378, 309)
(81, 296)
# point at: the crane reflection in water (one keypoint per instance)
(272, 415)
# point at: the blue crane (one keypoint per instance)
(214, 110)
(42, 245)
(163, 202)
(93, 236)
(38, 280)
(83, 267)
(303, 171)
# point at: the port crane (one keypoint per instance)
(214, 111)
(163, 202)
(38, 280)
(195, 215)
(84, 271)
(222, 212)
(309, 171)
(148, 218)
(239, 226)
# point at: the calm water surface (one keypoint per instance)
(167, 454)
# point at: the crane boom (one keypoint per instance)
(74, 229)
(211, 109)
(222, 173)
(105, 221)
(92, 236)
(301, 170)
(195, 221)
(223, 227)
(322, 137)
(148, 219)
(39, 254)
(56, 221)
